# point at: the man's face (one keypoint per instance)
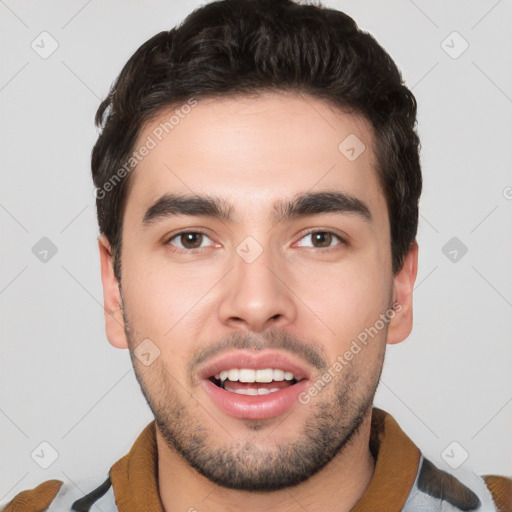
(236, 289)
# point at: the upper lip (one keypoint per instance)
(256, 361)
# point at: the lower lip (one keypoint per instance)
(259, 407)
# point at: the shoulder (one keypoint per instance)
(58, 496)
(33, 500)
(500, 488)
(457, 490)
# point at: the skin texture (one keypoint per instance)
(305, 297)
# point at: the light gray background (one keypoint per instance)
(61, 380)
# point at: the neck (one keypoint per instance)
(338, 486)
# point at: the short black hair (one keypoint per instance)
(236, 47)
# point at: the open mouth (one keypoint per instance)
(247, 381)
(255, 386)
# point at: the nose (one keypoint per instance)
(256, 295)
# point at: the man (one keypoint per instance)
(257, 180)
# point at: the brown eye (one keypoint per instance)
(191, 240)
(322, 239)
(187, 240)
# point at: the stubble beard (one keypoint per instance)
(334, 419)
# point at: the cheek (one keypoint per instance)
(164, 298)
(158, 310)
(359, 284)
(347, 299)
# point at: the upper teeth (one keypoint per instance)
(250, 375)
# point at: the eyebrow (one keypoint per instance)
(310, 203)
(170, 205)
(314, 203)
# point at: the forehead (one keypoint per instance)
(254, 150)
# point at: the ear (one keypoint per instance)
(400, 325)
(114, 322)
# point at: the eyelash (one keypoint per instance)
(343, 242)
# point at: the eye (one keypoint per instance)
(323, 238)
(188, 240)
